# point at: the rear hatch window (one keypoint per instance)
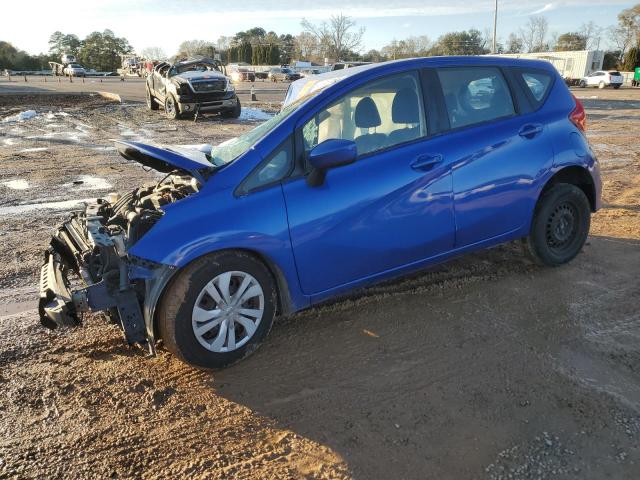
(615, 74)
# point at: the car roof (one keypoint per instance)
(308, 85)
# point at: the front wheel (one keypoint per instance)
(560, 225)
(233, 112)
(171, 108)
(218, 310)
(582, 84)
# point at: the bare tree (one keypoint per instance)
(306, 46)
(487, 39)
(534, 33)
(337, 37)
(190, 48)
(409, 47)
(627, 33)
(591, 33)
(422, 44)
(553, 40)
(619, 38)
(223, 42)
(154, 53)
(393, 50)
(514, 44)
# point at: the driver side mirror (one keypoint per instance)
(330, 154)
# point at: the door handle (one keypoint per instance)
(530, 130)
(426, 161)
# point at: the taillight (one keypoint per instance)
(578, 116)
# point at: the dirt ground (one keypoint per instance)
(486, 367)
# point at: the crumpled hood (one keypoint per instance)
(189, 159)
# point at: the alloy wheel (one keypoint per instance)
(170, 107)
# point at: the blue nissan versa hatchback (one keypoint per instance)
(366, 173)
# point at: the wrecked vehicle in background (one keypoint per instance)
(192, 87)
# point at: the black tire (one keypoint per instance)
(560, 225)
(177, 303)
(582, 84)
(171, 108)
(151, 101)
(617, 86)
(233, 112)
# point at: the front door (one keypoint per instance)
(390, 208)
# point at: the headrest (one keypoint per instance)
(464, 98)
(367, 115)
(405, 108)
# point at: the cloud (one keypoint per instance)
(546, 8)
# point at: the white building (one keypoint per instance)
(571, 65)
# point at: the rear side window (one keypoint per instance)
(538, 84)
(475, 95)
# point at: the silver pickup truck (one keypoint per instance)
(191, 87)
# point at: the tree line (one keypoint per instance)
(339, 38)
(99, 50)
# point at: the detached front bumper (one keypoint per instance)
(73, 255)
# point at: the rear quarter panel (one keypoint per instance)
(570, 145)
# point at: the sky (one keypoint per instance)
(166, 23)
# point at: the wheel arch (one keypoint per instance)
(285, 304)
(574, 175)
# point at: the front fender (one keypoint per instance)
(217, 220)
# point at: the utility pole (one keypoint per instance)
(495, 27)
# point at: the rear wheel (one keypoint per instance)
(560, 225)
(218, 310)
(616, 86)
(151, 101)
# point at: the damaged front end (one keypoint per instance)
(87, 267)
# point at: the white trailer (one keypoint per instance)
(572, 65)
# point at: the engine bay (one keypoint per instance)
(136, 212)
(93, 244)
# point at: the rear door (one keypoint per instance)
(497, 147)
